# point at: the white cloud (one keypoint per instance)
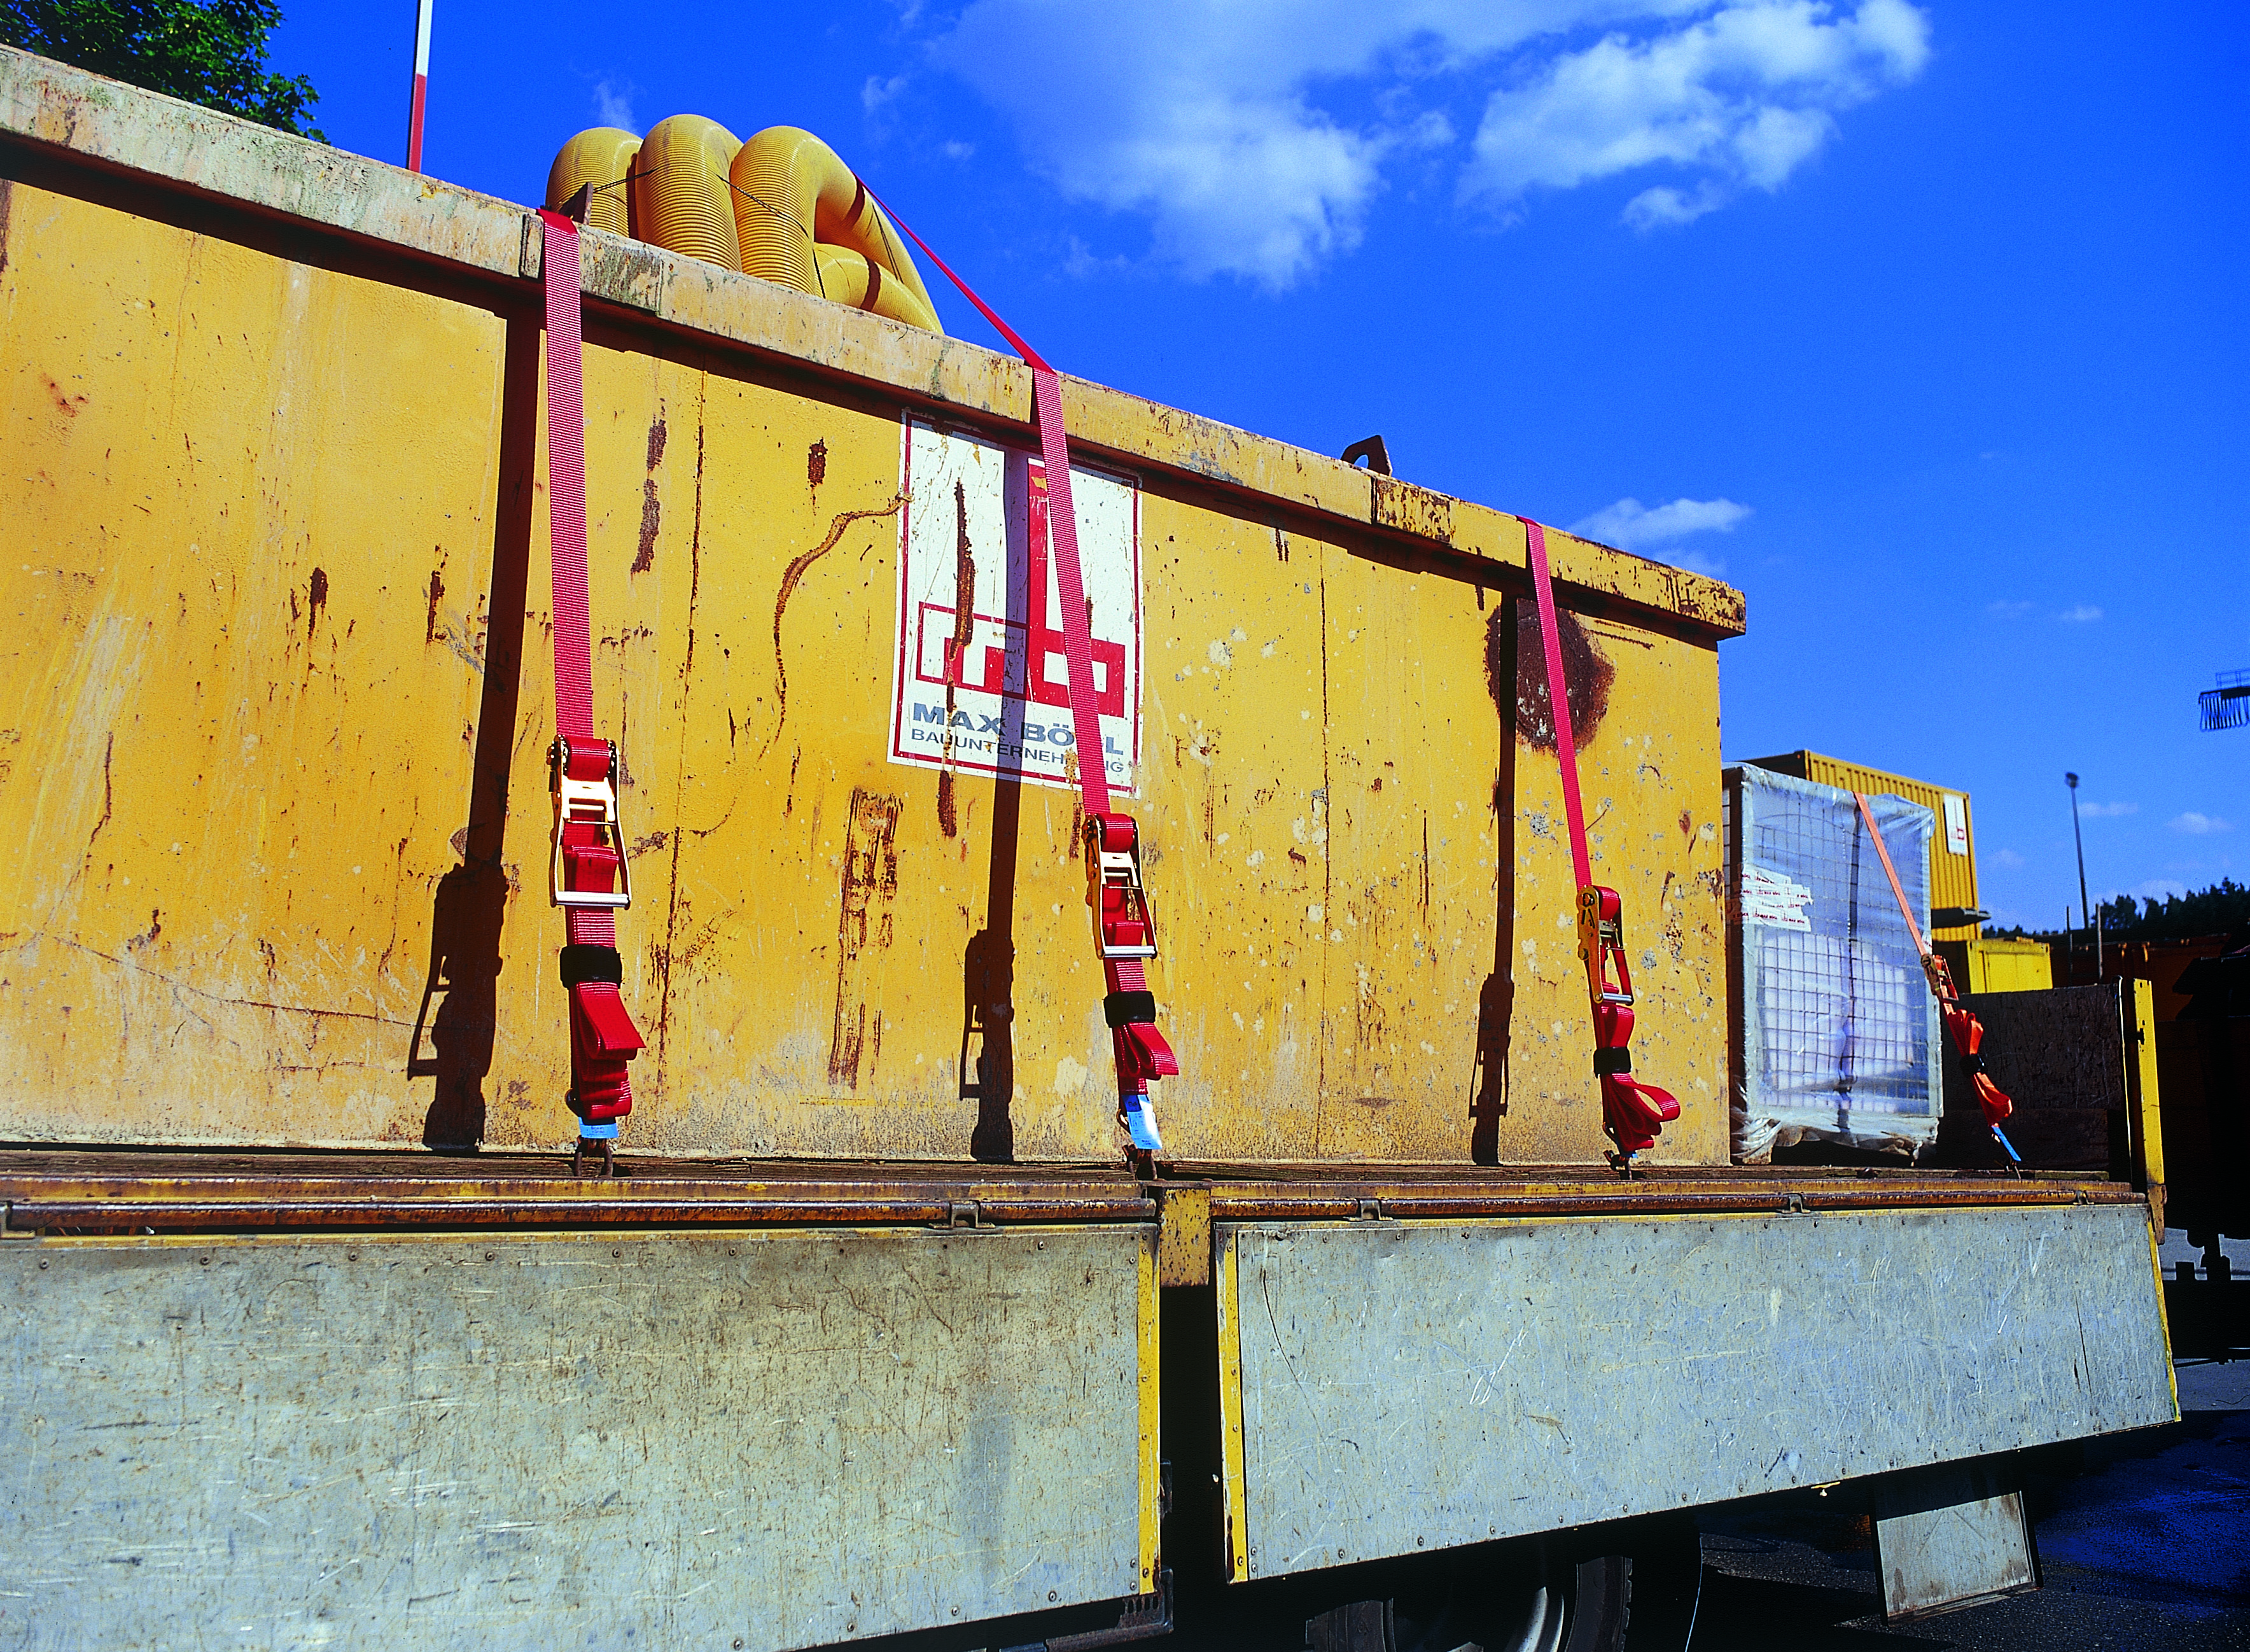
(1255, 133)
(2200, 825)
(613, 104)
(877, 91)
(2008, 609)
(954, 149)
(2007, 858)
(1745, 95)
(2084, 613)
(1632, 526)
(1665, 207)
(2103, 811)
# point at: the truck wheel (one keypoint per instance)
(1642, 1600)
(1535, 1620)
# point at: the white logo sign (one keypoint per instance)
(982, 685)
(1956, 823)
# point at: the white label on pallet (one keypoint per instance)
(982, 684)
(1776, 902)
(1956, 823)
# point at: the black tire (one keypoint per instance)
(1643, 1599)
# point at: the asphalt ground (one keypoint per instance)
(2147, 1546)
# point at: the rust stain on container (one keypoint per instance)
(870, 888)
(318, 598)
(816, 465)
(651, 508)
(1411, 509)
(437, 594)
(956, 648)
(1587, 675)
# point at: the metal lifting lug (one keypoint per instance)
(590, 803)
(1601, 943)
(1123, 927)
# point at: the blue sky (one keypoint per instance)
(1923, 324)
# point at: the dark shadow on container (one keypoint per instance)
(988, 964)
(988, 972)
(471, 900)
(1496, 1002)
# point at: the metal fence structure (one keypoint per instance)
(2227, 706)
(1837, 1030)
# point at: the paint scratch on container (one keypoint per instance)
(789, 576)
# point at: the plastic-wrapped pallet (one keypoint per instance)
(1835, 1030)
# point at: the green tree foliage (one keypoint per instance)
(212, 53)
(2224, 908)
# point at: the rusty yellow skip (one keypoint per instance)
(279, 707)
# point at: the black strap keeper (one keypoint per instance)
(582, 963)
(1130, 1009)
(1972, 1063)
(1616, 1060)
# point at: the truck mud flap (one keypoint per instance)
(756, 1439)
(1390, 1387)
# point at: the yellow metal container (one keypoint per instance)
(277, 693)
(1952, 846)
(2009, 967)
(1998, 965)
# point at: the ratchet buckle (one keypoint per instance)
(589, 855)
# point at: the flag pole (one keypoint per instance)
(421, 85)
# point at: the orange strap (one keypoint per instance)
(1967, 1031)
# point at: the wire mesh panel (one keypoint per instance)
(1837, 1027)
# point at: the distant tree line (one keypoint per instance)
(2224, 908)
(207, 52)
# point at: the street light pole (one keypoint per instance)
(2084, 908)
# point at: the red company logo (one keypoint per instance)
(1012, 655)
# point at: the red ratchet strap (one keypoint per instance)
(1633, 1114)
(588, 857)
(1967, 1032)
(1124, 932)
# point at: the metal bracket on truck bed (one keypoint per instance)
(1145, 1617)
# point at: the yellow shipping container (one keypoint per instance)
(1999, 965)
(279, 695)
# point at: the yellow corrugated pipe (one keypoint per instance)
(849, 279)
(782, 207)
(807, 222)
(602, 157)
(680, 196)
